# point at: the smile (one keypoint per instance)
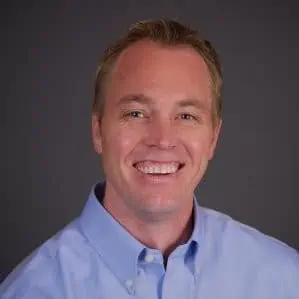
(156, 168)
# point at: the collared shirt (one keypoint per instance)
(95, 257)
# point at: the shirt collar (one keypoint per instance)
(105, 234)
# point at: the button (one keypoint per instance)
(149, 258)
(197, 271)
(129, 283)
(130, 286)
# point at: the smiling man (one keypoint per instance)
(156, 121)
(156, 136)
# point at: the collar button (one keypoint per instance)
(149, 258)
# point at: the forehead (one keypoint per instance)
(159, 71)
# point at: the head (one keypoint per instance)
(156, 115)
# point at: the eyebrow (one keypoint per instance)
(146, 100)
(135, 98)
(193, 103)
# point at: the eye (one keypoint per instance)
(187, 116)
(134, 114)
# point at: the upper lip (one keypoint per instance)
(157, 161)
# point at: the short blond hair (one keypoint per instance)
(165, 32)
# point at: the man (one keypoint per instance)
(156, 120)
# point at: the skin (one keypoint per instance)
(158, 109)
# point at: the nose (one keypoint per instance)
(162, 134)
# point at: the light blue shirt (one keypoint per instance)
(94, 257)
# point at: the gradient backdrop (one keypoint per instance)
(49, 53)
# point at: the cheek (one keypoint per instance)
(198, 146)
(197, 150)
(120, 141)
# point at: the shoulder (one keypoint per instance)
(234, 235)
(250, 251)
(67, 256)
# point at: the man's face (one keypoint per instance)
(156, 135)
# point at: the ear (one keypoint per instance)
(96, 133)
(216, 133)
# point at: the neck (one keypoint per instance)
(164, 233)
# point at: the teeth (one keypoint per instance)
(160, 168)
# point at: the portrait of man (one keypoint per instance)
(156, 119)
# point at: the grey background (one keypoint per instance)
(49, 53)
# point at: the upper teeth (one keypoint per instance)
(158, 168)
